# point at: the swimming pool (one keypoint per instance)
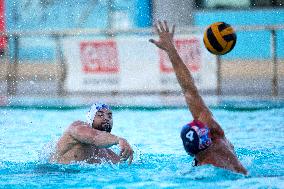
(159, 162)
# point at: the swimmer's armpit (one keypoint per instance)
(206, 117)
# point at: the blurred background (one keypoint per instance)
(34, 33)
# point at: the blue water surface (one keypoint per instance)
(27, 137)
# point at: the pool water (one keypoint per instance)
(27, 136)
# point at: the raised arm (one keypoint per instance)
(193, 99)
(184, 77)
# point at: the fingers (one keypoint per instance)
(126, 151)
(157, 29)
(130, 157)
(173, 30)
(127, 154)
(163, 27)
(156, 43)
(121, 151)
(165, 41)
(153, 41)
(166, 26)
(123, 155)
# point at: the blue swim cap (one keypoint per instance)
(195, 137)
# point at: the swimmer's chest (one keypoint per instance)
(91, 152)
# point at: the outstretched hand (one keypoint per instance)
(126, 151)
(165, 36)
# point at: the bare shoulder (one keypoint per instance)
(77, 125)
(70, 134)
(81, 131)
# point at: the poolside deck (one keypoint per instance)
(238, 78)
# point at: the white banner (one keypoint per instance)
(134, 65)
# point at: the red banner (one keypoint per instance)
(190, 52)
(2, 25)
(99, 57)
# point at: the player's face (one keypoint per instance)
(103, 120)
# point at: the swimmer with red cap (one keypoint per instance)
(90, 141)
(202, 138)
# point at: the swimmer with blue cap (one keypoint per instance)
(203, 138)
(99, 107)
(90, 141)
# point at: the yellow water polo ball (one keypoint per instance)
(219, 38)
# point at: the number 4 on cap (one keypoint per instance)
(189, 135)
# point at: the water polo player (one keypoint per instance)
(90, 141)
(203, 138)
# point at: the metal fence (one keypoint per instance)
(43, 76)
